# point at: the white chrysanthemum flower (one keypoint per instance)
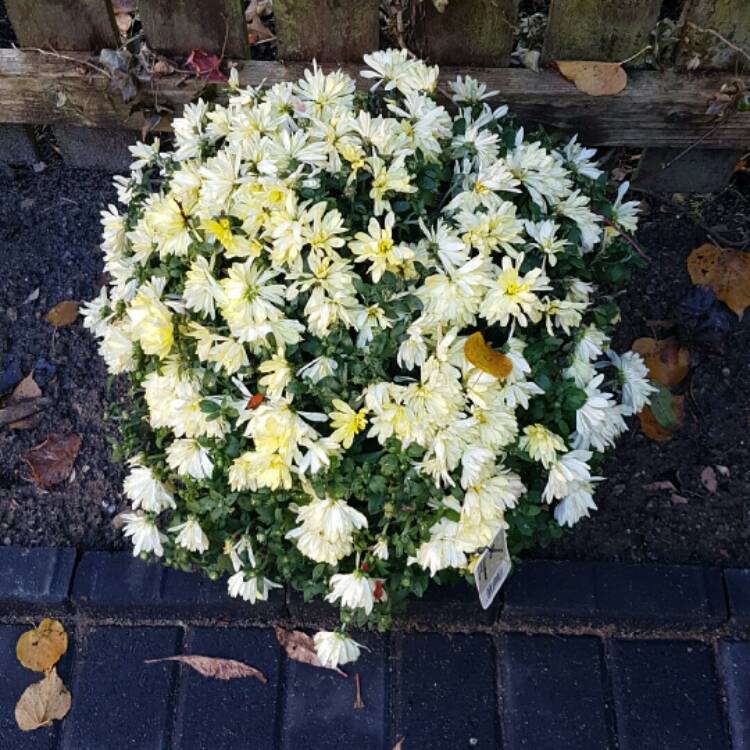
(318, 368)
(467, 90)
(541, 444)
(191, 536)
(575, 505)
(570, 468)
(600, 420)
(144, 533)
(252, 589)
(334, 648)
(354, 590)
(513, 295)
(636, 385)
(189, 458)
(444, 549)
(380, 549)
(145, 491)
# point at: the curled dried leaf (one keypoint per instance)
(483, 356)
(41, 648)
(219, 669)
(300, 647)
(592, 77)
(43, 702)
(52, 461)
(62, 314)
(668, 363)
(725, 272)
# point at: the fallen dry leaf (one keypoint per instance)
(358, 702)
(668, 363)
(483, 356)
(300, 647)
(219, 669)
(52, 461)
(399, 744)
(32, 297)
(43, 702)
(657, 486)
(723, 470)
(651, 427)
(708, 479)
(41, 648)
(124, 21)
(725, 272)
(16, 415)
(62, 314)
(592, 77)
(678, 499)
(27, 394)
(26, 389)
(205, 65)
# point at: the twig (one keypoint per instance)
(695, 143)
(55, 53)
(721, 38)
(637, 54)
(625, 236)
(358, 703)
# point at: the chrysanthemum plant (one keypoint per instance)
(366, 334)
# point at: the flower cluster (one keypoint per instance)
(292, 289)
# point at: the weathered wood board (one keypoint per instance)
(63, 24)
(659, 109)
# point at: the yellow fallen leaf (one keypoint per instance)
(43, 702)
(668, 363)
(483, 356)
(63, 314)
(592, 77)
(41, 648)
(725, 272)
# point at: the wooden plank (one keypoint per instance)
(598, 29)
(468, 32)
(63, 24)
(179, 26)
(326, 30)
(661, 109)
(730, 19)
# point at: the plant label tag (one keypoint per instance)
(492, 569)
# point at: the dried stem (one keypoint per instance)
(358, 703)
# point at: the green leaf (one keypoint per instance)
(661, 407)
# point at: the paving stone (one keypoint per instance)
(36, 578)
(235, 714)
(554, 694)
(701, 170)
(318, 711)
(738, 591)
(447, 698)
(315, 612)
(118, 583)
(15, 679)
(616, 593)
(734, 660)
(666, 696)
(456, 605)
(120, 702)
(17, 145)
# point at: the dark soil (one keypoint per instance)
(49, 234)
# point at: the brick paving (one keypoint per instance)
(573, 656)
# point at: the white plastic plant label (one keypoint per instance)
(492, 569)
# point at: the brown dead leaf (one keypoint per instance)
(41, 648)
(725, 272)
(592, 77)
(399, 744)
(124, 21)
(219, 669)
(657, 486)
(62, 314)
(652, 429)
(483, 356)
(26, 391)
(300, 647)
(668, 363)
(257, 31)
(678, 499)
(52, 461)
(708, 479)
(43, 702)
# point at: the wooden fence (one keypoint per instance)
(49, 78)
